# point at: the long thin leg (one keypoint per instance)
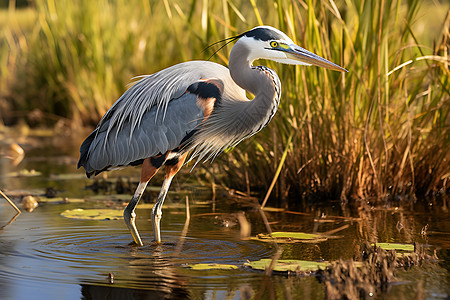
(157, 209)
(129, 216)
(171, 170)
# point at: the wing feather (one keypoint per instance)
(152, 117)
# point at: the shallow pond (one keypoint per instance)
(44, 255)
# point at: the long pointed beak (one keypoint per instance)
(298, 53)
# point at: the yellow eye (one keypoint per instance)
(273, 44)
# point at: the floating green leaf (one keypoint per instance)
(212, 267)
(283, 265)
(290, 237)
(393, 246)
(296, 235)
(57, 200)
(165, 206)
(93, 214)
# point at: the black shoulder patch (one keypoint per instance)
(205, 90)
(158, 161)
(263, 34)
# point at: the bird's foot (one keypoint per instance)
(133, 243)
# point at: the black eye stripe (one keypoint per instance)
(263, 34)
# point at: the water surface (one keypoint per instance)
(46, 256)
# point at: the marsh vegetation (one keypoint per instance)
(361, 156)
(380, 130)
(75, 243)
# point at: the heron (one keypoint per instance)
(198, 108)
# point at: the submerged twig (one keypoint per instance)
(269, 230)
(266, 222)
(10, 221)
(10, 202)
(275, 258)
(333, 231)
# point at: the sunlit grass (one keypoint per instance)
(381, 129)
(369, 132)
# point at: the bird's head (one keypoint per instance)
(265, 42)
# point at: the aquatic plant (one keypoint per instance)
(373, 131)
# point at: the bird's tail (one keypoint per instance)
(84, 153)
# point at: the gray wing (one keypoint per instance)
(152, 117)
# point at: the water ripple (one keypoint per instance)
(68, 251)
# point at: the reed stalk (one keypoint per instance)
(380, 130)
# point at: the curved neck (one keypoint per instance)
(236, 118)
(260, 81)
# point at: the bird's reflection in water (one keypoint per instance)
(151, 276)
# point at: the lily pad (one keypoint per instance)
(290, 237)
(213, 267)
(165, 206)
(393, 246)
(284, 265)
(93, 214)
(58, 200)
(296, 235)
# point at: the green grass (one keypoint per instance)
(382, 129)
(373, 131)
